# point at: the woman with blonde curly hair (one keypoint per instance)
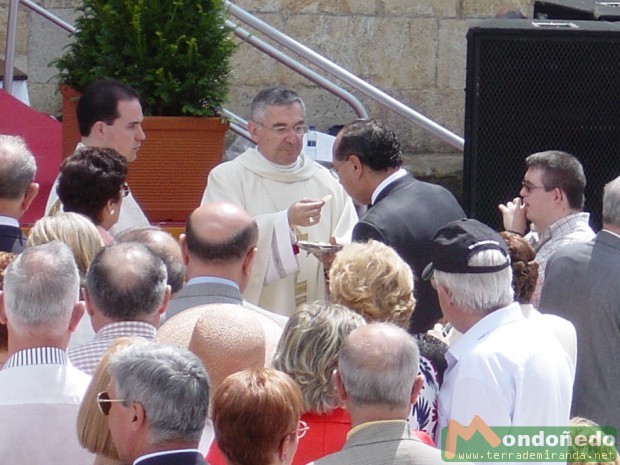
(308, 352)
(75, 230)
(371, 279)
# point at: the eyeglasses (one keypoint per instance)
(529, 187)
(282, 131)
(334, 171)
(105, 403)
(125, 189)
(302, 429)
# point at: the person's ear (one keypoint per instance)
(76, 315)
(418, 384)
(358, 166)
(184, 252)
(164, 303)
(253, 128)
(248, 261)
(98, 130)
(31, 193)
(88, 303)
(340, 388)
(3, 319)
(138, 416)
(286, 449)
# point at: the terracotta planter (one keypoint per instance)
(170, 174)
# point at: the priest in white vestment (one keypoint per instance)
(291, 197)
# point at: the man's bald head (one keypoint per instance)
(378, 364)
(220, 232)
(126, 281)
(162, 244)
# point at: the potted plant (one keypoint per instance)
(176, 54)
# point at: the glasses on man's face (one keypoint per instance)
(125, 189)
(105, 403)
(302, 429)
(283, 131)
(529, 187)
(334, 171)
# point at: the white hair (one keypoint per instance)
(479, 292)
(611, 203)
(41, 287)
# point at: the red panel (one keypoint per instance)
(43, 134)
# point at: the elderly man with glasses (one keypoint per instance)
(552, 200)
(290, 196)
(157, 404)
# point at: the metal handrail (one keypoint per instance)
(244, 35)
(11, 33)
(299, 68)
(347, 77)
(285, 41)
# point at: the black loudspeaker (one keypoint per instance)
(587, 10)
(533, 87)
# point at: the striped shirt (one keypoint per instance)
(568, 230)
(37, 356)
(87, 356)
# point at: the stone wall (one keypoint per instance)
(413, 50)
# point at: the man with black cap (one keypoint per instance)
(505, 368)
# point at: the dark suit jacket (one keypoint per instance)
(386, 444)
(582, 284)
(405, 216)
(175, 458)
(12, 239)
(214, 293)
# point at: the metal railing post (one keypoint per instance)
(341, 73)
(9, 53)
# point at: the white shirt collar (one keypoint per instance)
(166, 452)
(8, 221)
(493, 320)
(211, 280)
(387, 181)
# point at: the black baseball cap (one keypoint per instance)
(455, 243)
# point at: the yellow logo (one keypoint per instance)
(456, 430)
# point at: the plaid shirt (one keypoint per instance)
(87, 356)
(567, 230)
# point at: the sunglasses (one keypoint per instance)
(105, 403)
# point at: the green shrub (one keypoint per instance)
(175, 53)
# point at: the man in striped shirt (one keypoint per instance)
(40, 391)
(126, 294)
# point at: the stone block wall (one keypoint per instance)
(415, 51)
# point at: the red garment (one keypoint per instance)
(327, 434)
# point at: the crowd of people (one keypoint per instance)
(120, 344)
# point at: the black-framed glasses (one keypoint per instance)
(105, 403)
(529, 187)
(282, 131)
(125, 189)
(302, 429)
